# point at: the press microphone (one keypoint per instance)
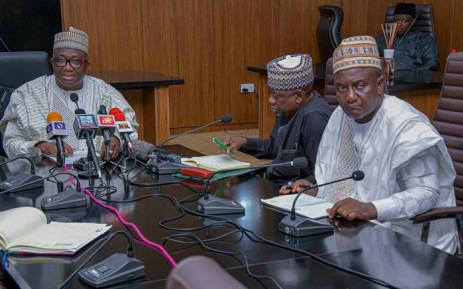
(75, 98)
(56, 129)
(123, 127)
(224, 119)
(106, 127)
(297, 226)
(85, 128)
(213, 205)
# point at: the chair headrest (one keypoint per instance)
(19, 67)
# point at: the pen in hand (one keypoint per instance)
(222, 146)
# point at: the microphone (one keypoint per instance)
(85, 128)
(106, 127)
(167, 165)
(56, 129)
(213, 205)
(297, 226)
(123, 127)
(224, 119)
(75, 98)
(21, 181)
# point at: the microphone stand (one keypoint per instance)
(297, 226)
(163, 169)
(92, 158)
(212, 205)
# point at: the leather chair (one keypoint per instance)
(330, 90)
(448, 120)
(424, 22)
(17, 68)
(199, 272)
(328, 33)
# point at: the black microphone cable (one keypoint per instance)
(96, 251)
(258, 238)
(233, 254)
(21, 157)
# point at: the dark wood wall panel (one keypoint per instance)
(209, 43)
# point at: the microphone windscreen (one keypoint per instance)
(118, 115)
(102, 109)
(300, 162)
(79, 111)
(358, 175)
(227, 118)
(54, 116)
(74, 97)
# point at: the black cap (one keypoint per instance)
(405, 9)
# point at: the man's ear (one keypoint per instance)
(381, 81)
(299, 96)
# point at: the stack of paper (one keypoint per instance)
(215, 162)
(307, 206)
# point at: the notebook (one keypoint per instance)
(25, 230)
(306, 206)
(215, 163)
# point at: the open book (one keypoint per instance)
(25, 230)
(215, 163)
(306, 206)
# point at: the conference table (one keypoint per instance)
(420, 88)
(279, 261)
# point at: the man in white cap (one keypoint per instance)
(290, 79)
(26, 115)
(407, 167)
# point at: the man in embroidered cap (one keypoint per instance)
(407, 167)
(290, 79)
(26, 115)
(413, 50)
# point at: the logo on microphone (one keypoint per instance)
(106, 120)
(59, 125)
(86, 121)
(123, 125)
(49, 128)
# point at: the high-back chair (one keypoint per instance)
(328, 31)
(448, 120)
(17, 68)
(330, 89)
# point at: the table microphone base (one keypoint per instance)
(302, 227)
(218, 206)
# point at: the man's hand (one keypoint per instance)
(49, 148)
(232, 142)
(351, 209)
(114, 148)
(297, 187)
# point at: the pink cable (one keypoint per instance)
(144, 240)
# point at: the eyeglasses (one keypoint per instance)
(74, 62)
